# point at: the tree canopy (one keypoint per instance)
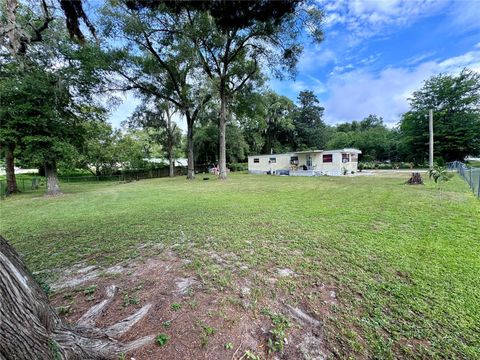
(455, 101)
(311, 132)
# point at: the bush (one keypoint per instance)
(383, 166)
(439, 173)
(238, 166)
(73, 172)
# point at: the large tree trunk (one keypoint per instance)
(190, 164)
(222, 124)
(16, 44)
(53, 185)
(10, 170)
(31, 329)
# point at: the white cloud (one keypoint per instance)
(470, 59)
(356, 94)
(313, 84)
(465, 15)
(315, 57)
(366, 18)
(419, 58)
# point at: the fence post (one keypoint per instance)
(478, 189)
(23, 185)
(471, 182)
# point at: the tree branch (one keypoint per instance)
(47, 20)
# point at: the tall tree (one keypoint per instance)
(156, 61)
(455, 101)
(311, 131)
(23, 28)
(47, 117)
(234, 39)
(12, 126)
(157, 119)
(29, 326)
(279, 127)
(16, 35)
(267, 121)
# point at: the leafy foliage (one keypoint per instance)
(175, 306)
(455, 100)
(162, 339)
(439, 173)
(155, 119)
(311, 131)
(277, 335)
(376, 141)
(206, 144)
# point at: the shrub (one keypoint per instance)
(368, 165)
(238, 166)
(439, 173)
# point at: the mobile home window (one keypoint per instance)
(256, 160)
(273, 160)
(327, 158)
(294, 160)
(345, 158)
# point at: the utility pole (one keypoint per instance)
(430, 129)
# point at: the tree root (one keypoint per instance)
(126, 324)
(26, 314)
(108, 345)
(88, 319)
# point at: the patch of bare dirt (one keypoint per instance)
(200, 321)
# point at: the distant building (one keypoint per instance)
(163, 161)
(306, 163)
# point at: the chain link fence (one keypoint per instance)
(469, 173)
(38, 183)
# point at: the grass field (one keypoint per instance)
(404, 260)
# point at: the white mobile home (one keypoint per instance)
(306, 163)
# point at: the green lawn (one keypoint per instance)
(404, 260)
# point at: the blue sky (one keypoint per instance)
(376, 53)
